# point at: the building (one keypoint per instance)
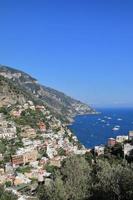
(9, 168)
(17, 159)
(21, 179)
(121, 138)
(7, 130)
(111, 142)
(42, 126)
(30, 156)
(40, 108)
(127, 148)
(28, 132)
(130, 135)
(99, 150)
(24, 156)
(16, 113)
(8, 133)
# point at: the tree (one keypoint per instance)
(57, 190)
(2, 147)
(78, 179)
(76, 175)
(61, 152)
(71, 182)
(8, 184)
(112, 182)
(117, 150)
(6, 195)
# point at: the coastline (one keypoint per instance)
(72, 119)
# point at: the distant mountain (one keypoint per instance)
(27, 87)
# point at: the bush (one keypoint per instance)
(8, 184)
(61, 152)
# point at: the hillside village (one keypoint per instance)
(33, 143)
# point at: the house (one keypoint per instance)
(56, 161)
(40, 108)
(44, 161)
(130, 135)
(99, 150)
(17, 159)
(51, 152)
(30, 156)
(27, 142)
(2, 179)
(28, 132)
(9, 168)
(21, 179)
(127, 148)
(24, 156)
(42, 126)
(16, 113)
(111, 142)
(7, 130)
(121, 138)
(1, 157)
(2, 172)
(40, 178)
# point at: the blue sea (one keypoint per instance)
(93, 130)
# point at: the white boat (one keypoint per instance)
(107, 124)
(105, 117)
(109, 118)
(119, 119)
(116, 128)
(99, 119)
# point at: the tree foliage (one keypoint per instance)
(80, 179)
(6, 195)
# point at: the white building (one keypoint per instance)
(121, 138)
(99, 150)
(127, 148)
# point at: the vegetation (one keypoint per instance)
(78, 179)
(24, 169)
(31, 118)
(61, 152)
(5, 195)
(51, 169)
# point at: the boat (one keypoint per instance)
(116, 128)
(105, 117)
(107, 124)
(119, 119)
(109, 118)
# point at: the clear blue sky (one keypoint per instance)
(81, 47)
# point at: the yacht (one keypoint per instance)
(119, 119)
(116, 128)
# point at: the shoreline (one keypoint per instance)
(76, 115)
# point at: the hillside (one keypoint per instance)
(60, 103)
(34, 138)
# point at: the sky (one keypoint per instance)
(81, 47)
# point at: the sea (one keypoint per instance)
(93, 130)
